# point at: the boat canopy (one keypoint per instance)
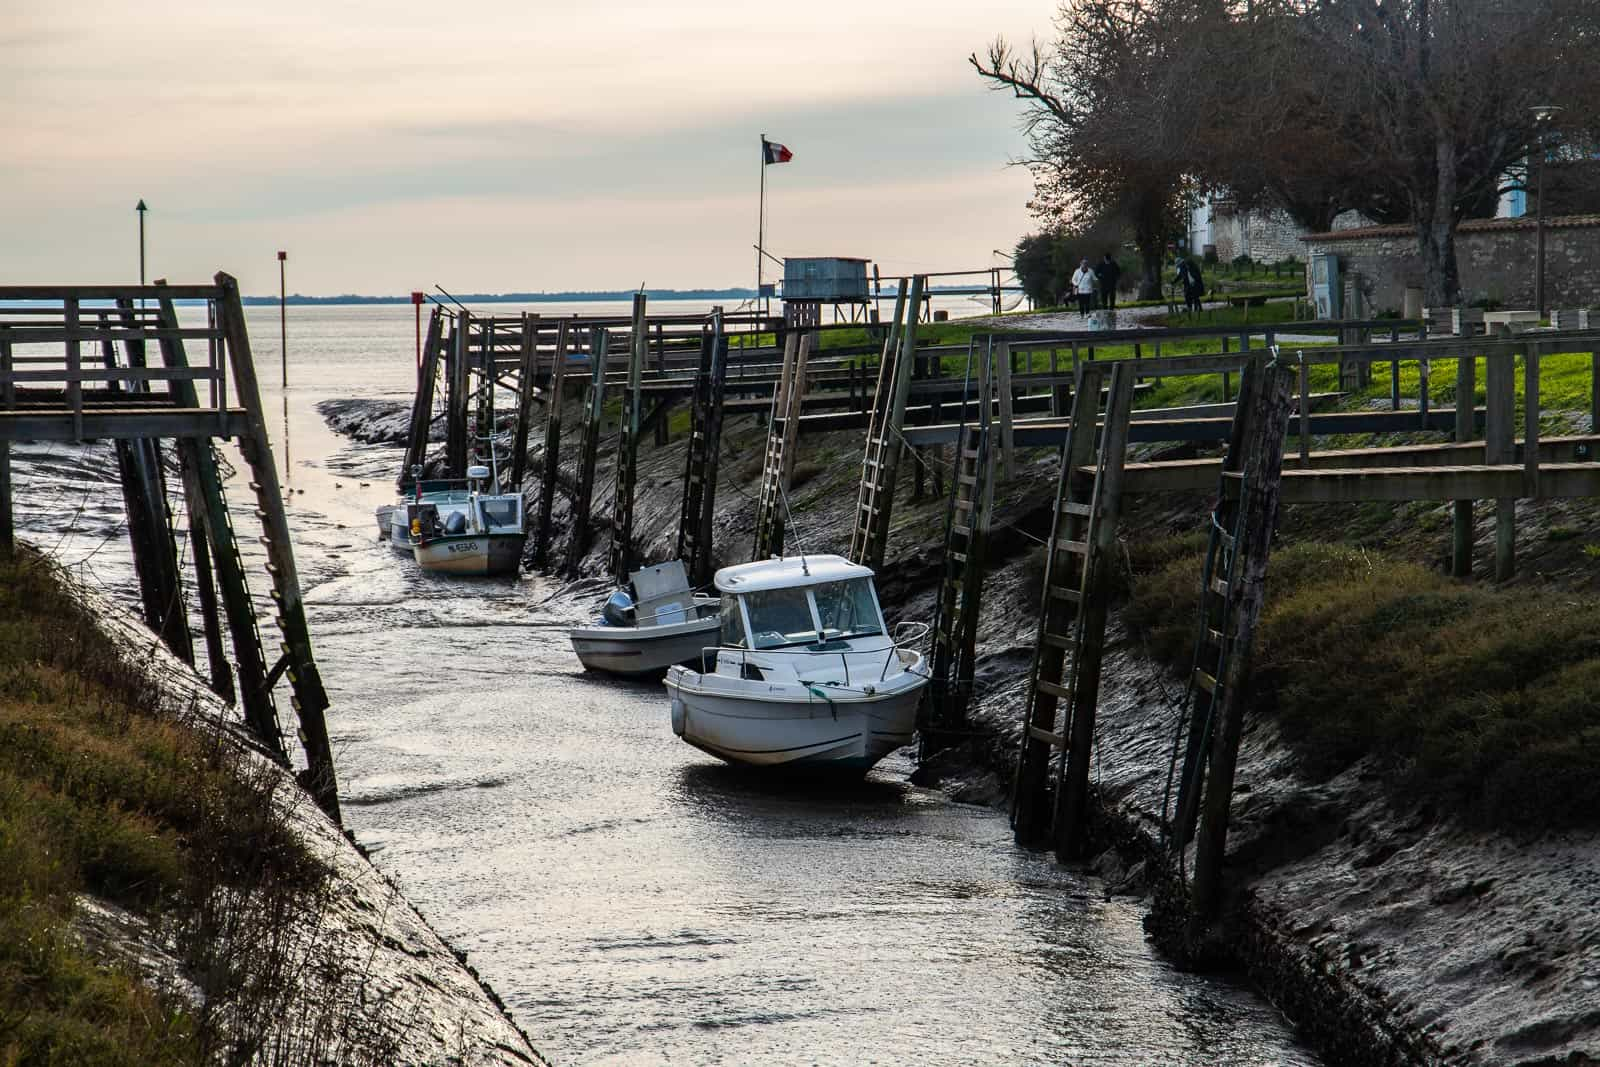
(788, 573)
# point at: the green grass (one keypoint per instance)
(1481, 702)
(103, 790)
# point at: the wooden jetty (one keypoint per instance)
(1014, 390)
(140, 387)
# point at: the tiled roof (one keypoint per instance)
(1469, 226)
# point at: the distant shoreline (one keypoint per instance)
(581, 296)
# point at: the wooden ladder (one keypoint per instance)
(696, 520)
(783, 431)
(1064, 682)
(971, 502)
(1213, 645)
(628, 446)
(881, 456)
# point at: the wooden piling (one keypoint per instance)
(457, 398)
(1461, 521)
(628, 446)
(589, 444)
(552, 449)
(8, 394)
(1259, 426)
(527, 375)
(1500, 399)
(696, 521)
(422, 403)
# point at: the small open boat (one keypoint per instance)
(652, 623)
(468, 531)
(806, 675)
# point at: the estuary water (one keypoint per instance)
(632, 900)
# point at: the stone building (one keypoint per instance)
(1217, 223)
(1495, 258)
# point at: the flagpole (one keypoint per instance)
(761, 219)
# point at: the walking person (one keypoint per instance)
(1194, 286)
(1107, 273)
(1083, 282)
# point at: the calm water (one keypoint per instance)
(632, 900)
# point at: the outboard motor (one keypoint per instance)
(456, 523)
(618, 610)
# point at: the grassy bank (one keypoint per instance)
(108, 790)
(1483, 702)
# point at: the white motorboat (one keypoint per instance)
(648, 626)
(806, 676)
(445, 494)
(468, 532)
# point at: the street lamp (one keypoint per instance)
(1542, 114)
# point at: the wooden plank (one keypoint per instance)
(1054, 740)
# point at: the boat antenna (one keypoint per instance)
(789, 518)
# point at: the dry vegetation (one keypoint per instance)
(1485, 701)
(108, 791)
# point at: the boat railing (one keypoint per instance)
(708, 665)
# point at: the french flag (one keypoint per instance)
(773, 152)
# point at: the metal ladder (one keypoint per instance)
(971, 501)
(1063, 686)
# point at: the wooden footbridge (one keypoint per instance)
(86, 363)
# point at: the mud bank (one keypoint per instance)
(1387, 934)
(369, 981)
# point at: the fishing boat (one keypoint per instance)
(467, 531)
(654, 621)
(805, 675)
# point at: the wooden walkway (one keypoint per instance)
(80, 363)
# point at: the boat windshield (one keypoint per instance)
(780, 617)
(732, 634)
(846, 609)
(500, 514)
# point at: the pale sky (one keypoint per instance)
(500, 146)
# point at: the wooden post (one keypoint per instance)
(456, 399)
(527, 376)
(1530, 410)
(8, 393)
(697, 520)
(552, 448)
(1305, 411)
(1500, 397)
(1461, 524)
(422, 403)
(1422, 392)
(1264, 400)
(589, 444)
(310, 699)
(628, 445)
(662, 427)
(1007, 427)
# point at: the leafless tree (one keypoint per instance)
(1107, 127)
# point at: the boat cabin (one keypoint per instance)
(802, 603)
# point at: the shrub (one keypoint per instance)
(1486, 702)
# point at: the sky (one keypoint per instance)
(501, 146)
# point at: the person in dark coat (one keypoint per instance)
(1108, 273)
(1194, 286)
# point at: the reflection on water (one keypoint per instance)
(631, 899)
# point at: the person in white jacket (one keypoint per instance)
(1083, 283)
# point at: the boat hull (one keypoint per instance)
(847, 732)
(471, 554)
(645, 650)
